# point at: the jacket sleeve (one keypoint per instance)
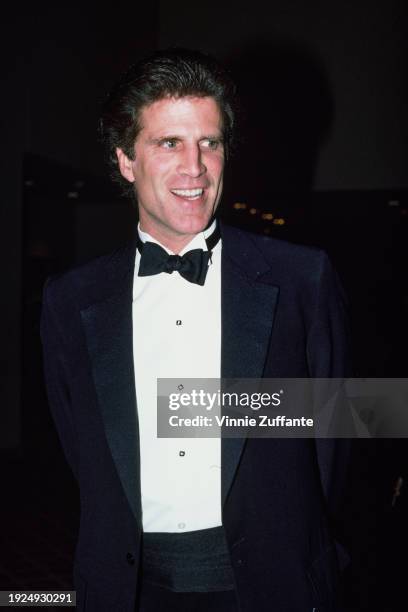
(329, 357)
(56, 379)
(328, 342)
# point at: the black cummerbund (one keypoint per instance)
(191, 561)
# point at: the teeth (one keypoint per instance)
(188, 193)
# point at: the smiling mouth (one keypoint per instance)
(188, 194)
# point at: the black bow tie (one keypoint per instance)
(192, 266)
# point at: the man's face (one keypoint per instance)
(178, 167)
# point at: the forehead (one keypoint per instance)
(188, 115)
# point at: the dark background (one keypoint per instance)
(322, 160)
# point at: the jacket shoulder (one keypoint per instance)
(288, 258)
(92, 281)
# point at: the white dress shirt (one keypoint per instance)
(177, 334)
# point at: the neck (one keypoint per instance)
(173, 243)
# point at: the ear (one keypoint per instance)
(125, 165)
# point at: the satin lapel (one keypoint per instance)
(248, 310)
(108, 330)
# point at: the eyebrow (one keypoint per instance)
(156, 140)
(161, 138)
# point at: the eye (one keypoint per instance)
(211, 143)
(169, 143)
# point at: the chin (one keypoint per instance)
(193, 225)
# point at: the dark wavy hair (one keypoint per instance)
(169, 73)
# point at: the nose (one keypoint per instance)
(191, 162)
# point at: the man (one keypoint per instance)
(201, 524)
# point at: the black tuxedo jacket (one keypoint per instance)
(282, 316)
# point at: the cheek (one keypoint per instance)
(215, 168)
(148, 175)
(159, 172)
